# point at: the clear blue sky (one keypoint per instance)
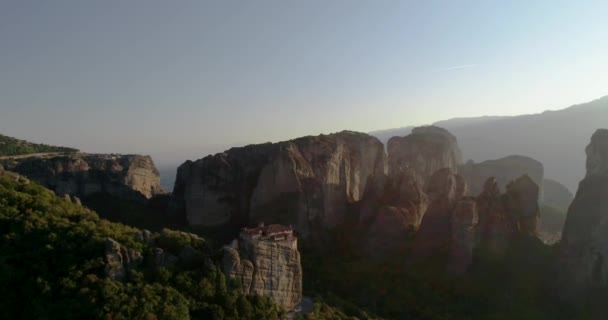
(179, 79)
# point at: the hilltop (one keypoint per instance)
(10, 146)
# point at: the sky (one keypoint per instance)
(181, 79)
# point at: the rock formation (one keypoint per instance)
(425, 150)
(267, 266)
(504, 170)
(308, 182)
(128, 176)
(444, 190)
(584, 245)
(503, 217)
(119, 260)
(522, 202)
(401, 191)
(159, 252)
(463, 230)
(496, 226)
(455, 224)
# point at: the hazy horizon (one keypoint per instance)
(182, 81)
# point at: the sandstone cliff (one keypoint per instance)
(584, 245)
(394, 203)
(424, 151)
(308, 182)
(455, 224)
(496, 226)
(126, 176)
(445, 190)
(512, 214)
(390, 212)
(522, 202)
(267, 268)
(504, 170)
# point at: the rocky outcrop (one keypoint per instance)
(128, 176)
(390, 211)
(424, 151)
(502, 217)
(497, 227)
(597, 153)
(455, 224)
(463, 230)
(584, 245)
(400, 191)
(444, 190)
(307, 182)
(268, 268)
(521, 201)
(504, 170)
(119, 260)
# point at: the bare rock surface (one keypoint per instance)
(444, 190)
(268, 268)
(584, 245)
(308, 182)
(78, 174)
(425, 150)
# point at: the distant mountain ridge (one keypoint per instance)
(10, 146)
(552, 137)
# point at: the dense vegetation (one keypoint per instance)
(12, 147)
(52, 267)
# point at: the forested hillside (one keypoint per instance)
(53, 265)
(11, 147)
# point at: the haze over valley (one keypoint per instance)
(304, 160)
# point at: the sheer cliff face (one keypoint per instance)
(584, 246)
(445, 190)
(454, 224)
(425, 150)
(267, 268)
(129, 176)
(390, 211)
(308, 182)
(395, 203)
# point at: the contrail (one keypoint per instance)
(464, 66)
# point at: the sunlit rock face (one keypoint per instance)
(424, 151)
(584, 245)
(125, 176)
(266, 267)
(309, 182)
(391, 211)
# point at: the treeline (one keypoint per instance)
(13, 147)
